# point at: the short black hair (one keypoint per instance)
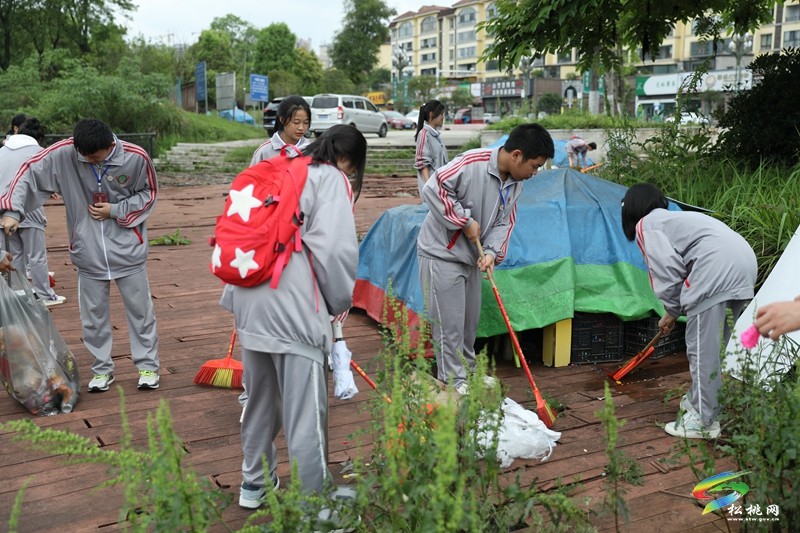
(287, 108)
(33, 128)
(341, 140)
(91, 135)
(637, 203)
(532, 140)
(593, 146)
(16, 122)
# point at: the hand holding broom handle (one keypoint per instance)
(544, 411)
(639, 357)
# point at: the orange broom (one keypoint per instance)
(360, 372)
(225, 372)
(636, 359)
(544, 411)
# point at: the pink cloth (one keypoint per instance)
(750, 337)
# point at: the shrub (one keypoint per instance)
(761, 125)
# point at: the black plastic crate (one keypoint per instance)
(596, 338)
(639, 332)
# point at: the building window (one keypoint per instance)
(407, 46)
(766, 41)
(428, 43)
(466, 17)
(428, 25)
(792, 13)
(492, 65)
(406, 30)
(466, 36)
(791, 39)
(491, 11)
(467, 66)
(428, 58)
(665, 52)
(701, 49)
(564, 56)
(468, 51)
(427, 72)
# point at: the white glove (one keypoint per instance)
(344, 387)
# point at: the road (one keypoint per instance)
(454, 135)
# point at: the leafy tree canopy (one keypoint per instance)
(276, 49)
(594, 27)
(355, 47)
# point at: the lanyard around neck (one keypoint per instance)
(99, 176)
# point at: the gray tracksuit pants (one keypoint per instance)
(30, 244)
(286, 391)
(453, 305)
(706, 333)
(94, 296)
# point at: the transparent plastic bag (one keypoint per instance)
(37, 368)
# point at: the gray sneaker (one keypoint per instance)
(100, 382)
(148, 379)
(252, 496)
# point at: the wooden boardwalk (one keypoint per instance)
(193, 329)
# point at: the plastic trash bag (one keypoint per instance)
(36, 367)
(344, 386)
(521, 435)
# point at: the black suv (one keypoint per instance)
(270, 112)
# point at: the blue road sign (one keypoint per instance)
(200, 78)
(259, 87)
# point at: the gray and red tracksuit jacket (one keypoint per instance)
(468, 188)
(107, 249)
(695, 261)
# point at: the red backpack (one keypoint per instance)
(260, 227)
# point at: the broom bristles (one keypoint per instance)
(544, 411)
(225, 373)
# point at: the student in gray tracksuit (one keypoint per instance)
(29, 240)
(431, 152)
(285, 333)
(109, 189)
(474, 196)
(698, 267)
(292, 121)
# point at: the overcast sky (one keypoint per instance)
(181, 21)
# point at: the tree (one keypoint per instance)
(422, 88)
(276, 49)
(364, 30)
(336, 81)
(461, 97)
(309, 71)
(595, 27)
(215, 48)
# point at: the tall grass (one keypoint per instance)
(763, 205)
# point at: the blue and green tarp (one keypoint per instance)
(567, 253)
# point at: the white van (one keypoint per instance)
(331, 109)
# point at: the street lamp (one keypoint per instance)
(740, 46)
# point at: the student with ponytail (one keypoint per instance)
(431, 152)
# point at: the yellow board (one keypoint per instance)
(557, 343)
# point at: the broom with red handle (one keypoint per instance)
(360, 372)
(544, 411)
(225, 372)
(639, 357)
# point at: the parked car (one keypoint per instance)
(331, 109)
(270, 112)
(413, 115)
(463, 116)
(688, 117)
(491, 118)
(398, 121)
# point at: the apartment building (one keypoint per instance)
(445, 42)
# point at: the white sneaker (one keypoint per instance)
(689, 425)
(490, 381)
(252, 496)
(55, 299)
(463, 389)
(100, 382)
(329, 520)
(148, 379)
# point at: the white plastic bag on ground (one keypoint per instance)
(521, 435)
(344, 386)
